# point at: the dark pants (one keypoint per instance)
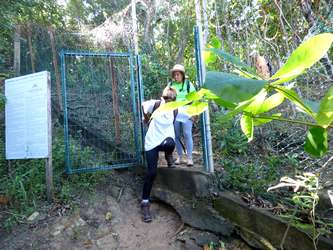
(168, 145)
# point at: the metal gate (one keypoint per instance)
(101, 94)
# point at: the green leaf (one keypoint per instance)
(261, 121)
(195, 95)
(258, 100)
(228, 105)
(312, 104)
(246, 74)
(307, 54)
(209, 57)
(316, 142)
(209, 95)
(247, 126)
(231, 87)
(293, 97)
(271, 102)
(170, 106)
(325, 113)
(233, 60)
(196, 108)
(215, 43)
(238, 109)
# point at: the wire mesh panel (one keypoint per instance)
(100, 111)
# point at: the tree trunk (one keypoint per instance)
(217, 23)
(31, 51)
(310, 18)
(55, 66)
(205, 21)
(135, 28)
(17, 50)
(182, 43)
(148, 28)
(307, 12)
(181, 50)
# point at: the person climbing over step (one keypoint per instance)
(184, 122)
(159, 137)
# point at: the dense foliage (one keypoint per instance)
(240, 34)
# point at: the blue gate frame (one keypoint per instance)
(136, 90)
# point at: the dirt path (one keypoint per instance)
(108, 218)
(99, 222)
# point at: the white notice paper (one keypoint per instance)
(27, 116)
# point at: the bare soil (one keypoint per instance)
(109, 217)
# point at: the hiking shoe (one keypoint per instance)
(170, 161)
(189, 162)
(179, 160)
(145, 208)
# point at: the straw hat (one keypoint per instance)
(178, 67)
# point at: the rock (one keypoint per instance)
(110, 200)
(196, 214)
(200, 238)
(237, 244)
(57, 230)
(33, 216)
(114, 191)
(262, 228)
(80, 222)
(190, 245)
(255, 240)
(187, 182)
(103, 230)
(204, 238)
(108, 243)
(89, 213)
(67, 224)
(187, 191)
(108, 216)
(325, 204)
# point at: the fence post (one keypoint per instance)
(55, 65)
(141, 99)
(115, 101)
(48, 160)
(205, 119)
(17, 50)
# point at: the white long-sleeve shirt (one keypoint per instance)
(160, 128)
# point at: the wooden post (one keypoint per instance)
(17, 50)
(55, 65)
(115, 102)
(9, 168)
(32, 55)
(48, 161)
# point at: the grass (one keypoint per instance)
(25, 185)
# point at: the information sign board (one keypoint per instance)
(28, 116)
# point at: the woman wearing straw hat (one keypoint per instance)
(183, 121)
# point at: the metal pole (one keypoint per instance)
(135, 114)
(208, 153)
(141, 98)
(64, 99)
(199, 80)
